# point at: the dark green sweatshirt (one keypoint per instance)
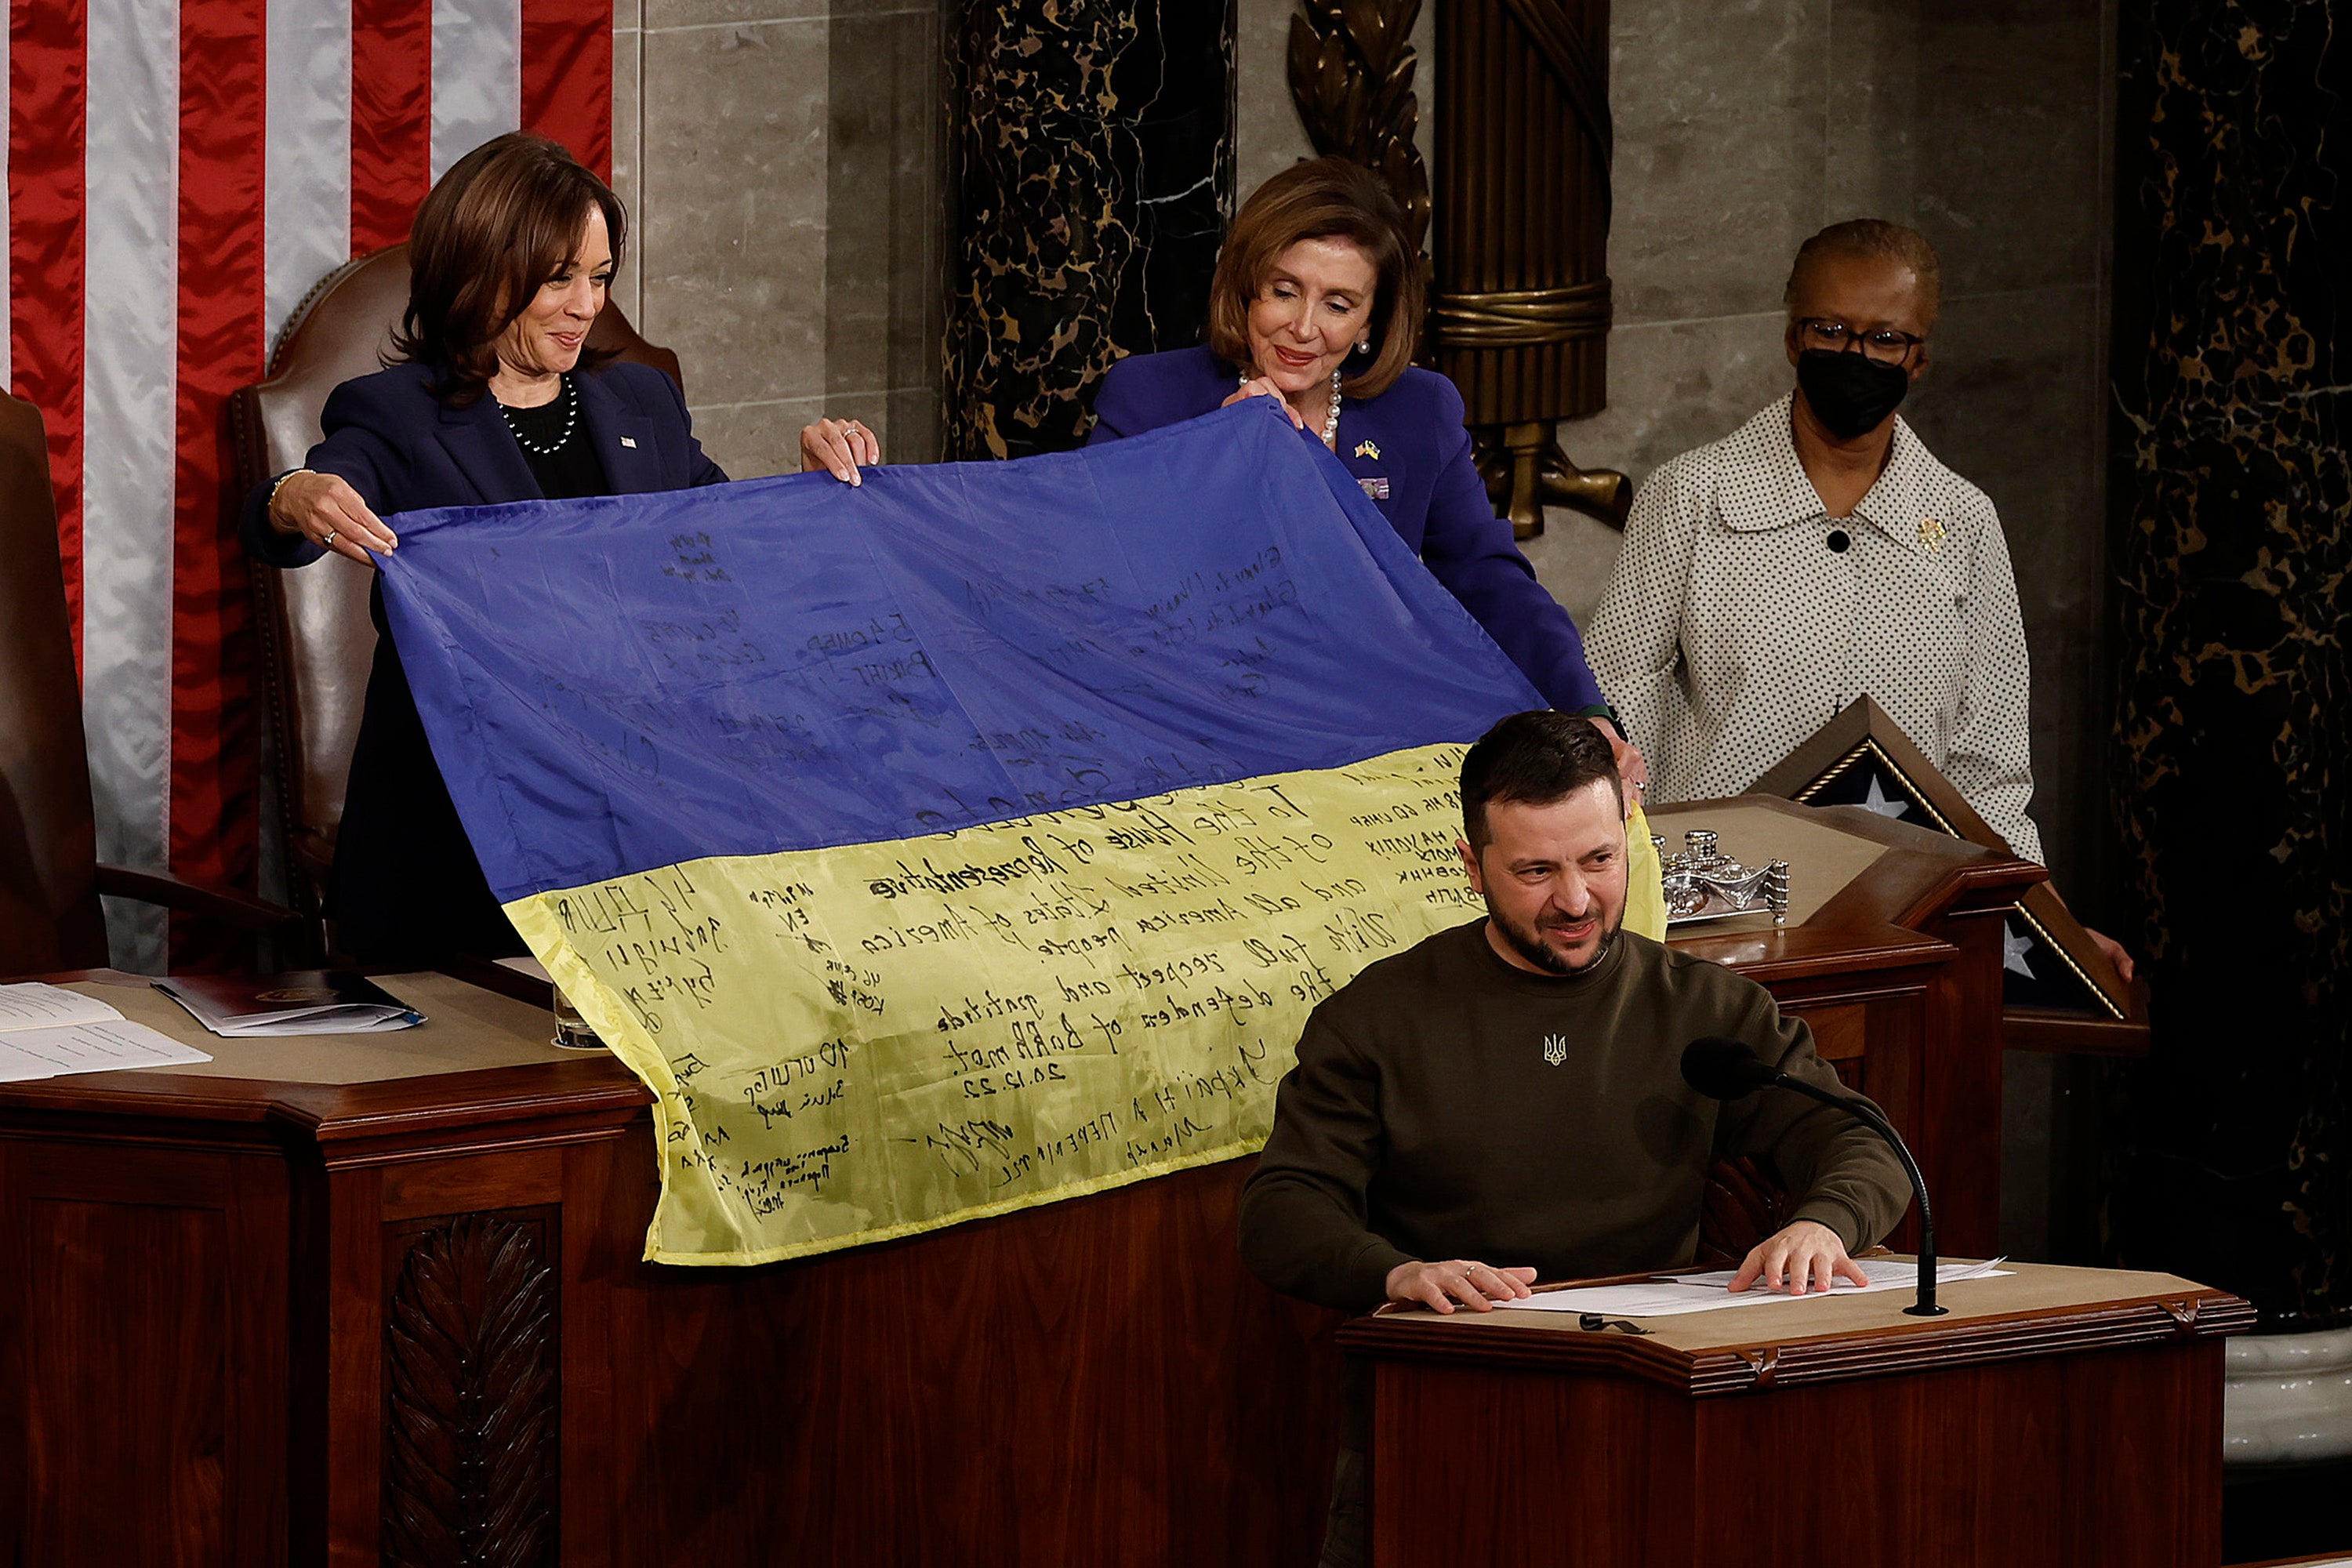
(1427, 1119)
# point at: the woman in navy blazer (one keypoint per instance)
(1317, 301)
(490, 402)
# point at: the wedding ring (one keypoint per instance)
(329, 542)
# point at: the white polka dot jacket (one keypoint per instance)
(1741, 618)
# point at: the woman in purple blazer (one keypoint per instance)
(1316, 302)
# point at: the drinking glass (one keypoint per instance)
(572, 1032)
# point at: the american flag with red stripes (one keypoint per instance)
(179, 174)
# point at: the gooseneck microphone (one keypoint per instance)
(1724, 1069)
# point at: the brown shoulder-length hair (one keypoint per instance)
(500, 223)
(1324, 198)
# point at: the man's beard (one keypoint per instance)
(1529, 943)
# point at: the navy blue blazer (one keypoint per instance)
(406, 887)
(1412, 437)
(405, 450)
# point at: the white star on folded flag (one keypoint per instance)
(1877, 801)
(2014, 945)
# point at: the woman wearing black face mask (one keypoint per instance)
(1820, 553)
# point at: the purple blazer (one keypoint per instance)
(1411, 442)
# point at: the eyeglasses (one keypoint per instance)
(1884, 344)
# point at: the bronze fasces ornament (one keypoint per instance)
(1521, 313)
(1352, 72)
(1520, 288)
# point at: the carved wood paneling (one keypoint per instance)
(126, 1386)
(470, 1474)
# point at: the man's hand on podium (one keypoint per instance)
(1438, 1285)
(1797, 1258)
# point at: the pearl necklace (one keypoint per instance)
(570, 419)
(1331, 420)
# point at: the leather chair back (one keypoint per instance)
(50, 914)
(317, 642)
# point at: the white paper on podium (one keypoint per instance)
(1672, 1295)
(36, 1005)
(102, 1047)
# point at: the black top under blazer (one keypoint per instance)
(406, 886)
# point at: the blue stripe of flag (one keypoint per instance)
(616, 684)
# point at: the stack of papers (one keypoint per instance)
(304, 1002)
(1671, 1295)
(47, 1031)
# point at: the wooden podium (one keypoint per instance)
(1892, 956)
(228, 1294)
(2055, 1417)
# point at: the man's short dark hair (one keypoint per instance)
(1535, 759)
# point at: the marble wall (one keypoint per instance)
(1091, 156)
(2232, 512)
(784, 163)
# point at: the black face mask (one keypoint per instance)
(1850, 392)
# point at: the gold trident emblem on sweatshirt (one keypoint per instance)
(1555, 1049)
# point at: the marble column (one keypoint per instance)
(784, 164)
(1094, 165)
(2232, 512)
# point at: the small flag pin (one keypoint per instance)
(1368, 449)
(630, 442)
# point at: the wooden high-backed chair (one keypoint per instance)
(51, 877)
(317, 641)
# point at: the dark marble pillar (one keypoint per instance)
(2231, 509)
(1093, 160)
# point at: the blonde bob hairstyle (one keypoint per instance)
(1326, 198)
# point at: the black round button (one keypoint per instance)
(1838, 540)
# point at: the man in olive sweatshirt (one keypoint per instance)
(1504, 1103)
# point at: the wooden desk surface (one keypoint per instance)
(1857, 910)
(1823, 858)
(480, 1057)
(466, 1029)
(2034, 1309)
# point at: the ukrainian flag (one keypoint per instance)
(975, 837)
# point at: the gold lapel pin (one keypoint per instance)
(1931, 532)
(1369, 449)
